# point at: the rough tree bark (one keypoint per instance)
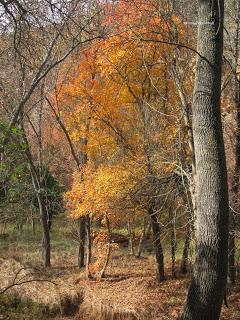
(207, 288)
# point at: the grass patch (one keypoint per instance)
(28, 241)
(13, 308)
(26, 247)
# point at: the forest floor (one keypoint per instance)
(128, 292)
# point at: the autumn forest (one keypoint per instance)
(119, 159)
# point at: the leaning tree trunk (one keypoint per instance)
(82, 234)
(157, 245)
(207, 289)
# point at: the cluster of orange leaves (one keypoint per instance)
(120, 89)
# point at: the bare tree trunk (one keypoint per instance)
(130, 237)
(173, 241)
(207, 288)
(82, 234)
(88, 245)
(235, 181)
(46, 250)
(183, 268)
(80, 159)
(142, 237)
(157, 245)
(38, 188)
(185, 106)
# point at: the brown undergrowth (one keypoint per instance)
(128, 292)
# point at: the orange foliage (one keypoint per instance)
(121, 86)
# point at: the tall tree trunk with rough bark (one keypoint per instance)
(207, 288)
